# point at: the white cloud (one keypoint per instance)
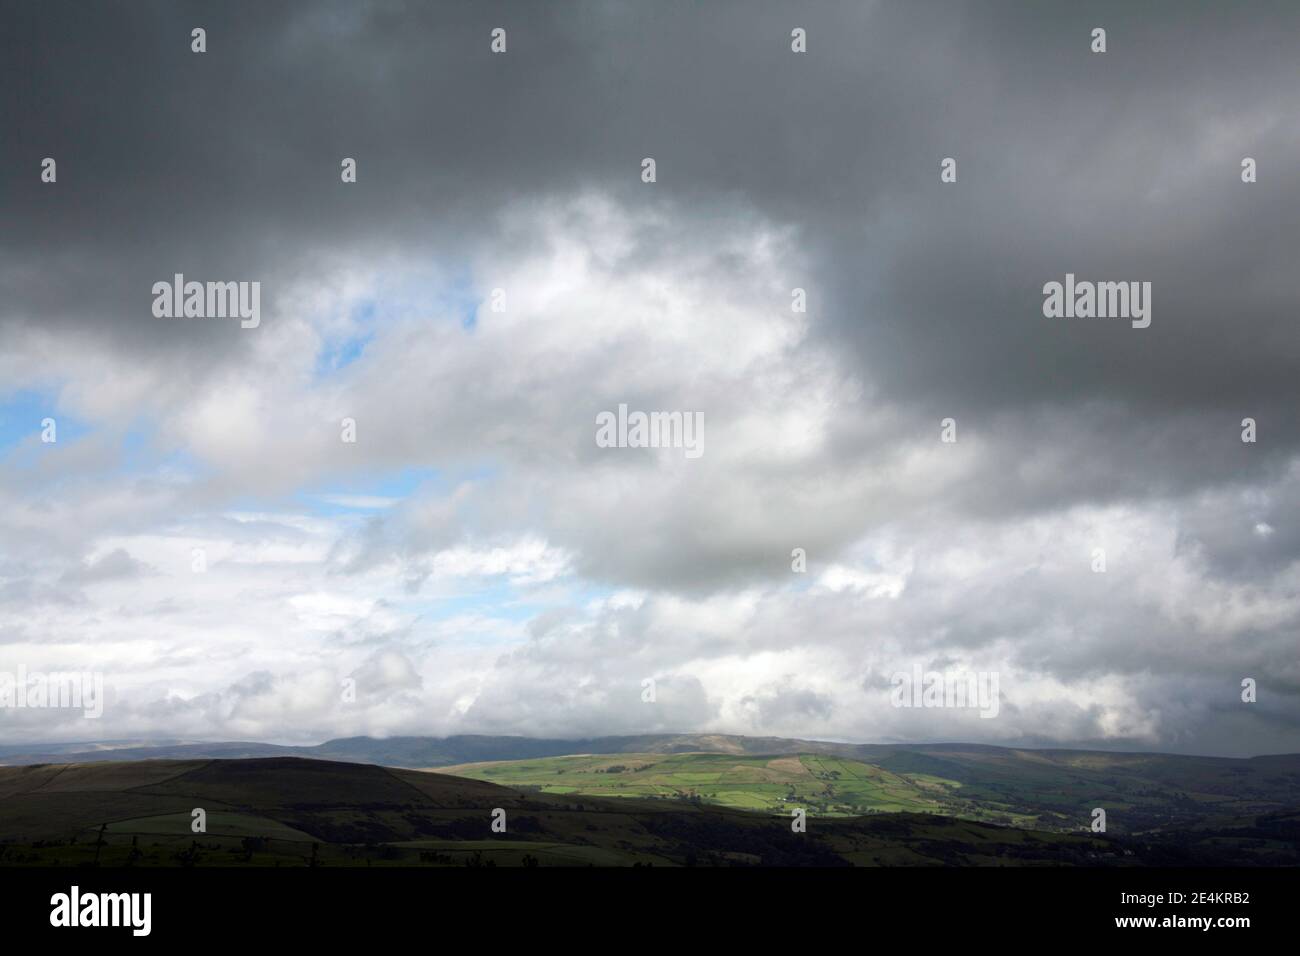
(533, 581)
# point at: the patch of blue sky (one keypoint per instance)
(494, 597)
(403, 299)
(22, 414)
(369, 494)
(451, 295)
(424, 296)
(498, 597)
(339, 351)
(801, 583)
(463, 299)
(141, 454)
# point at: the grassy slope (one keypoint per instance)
(1047, 789)
(826, 785)
(291, 812)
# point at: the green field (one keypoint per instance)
(825, 785)
(1044, 790)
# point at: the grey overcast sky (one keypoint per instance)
(474, 561)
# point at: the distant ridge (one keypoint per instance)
(417, 752)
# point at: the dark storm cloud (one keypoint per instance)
(1114, 166)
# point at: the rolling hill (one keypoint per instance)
(1044, 790)
(1047, 789)
(300, 812)
(291, 811)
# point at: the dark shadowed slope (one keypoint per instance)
(297, 812)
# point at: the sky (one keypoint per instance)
(202, 536)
